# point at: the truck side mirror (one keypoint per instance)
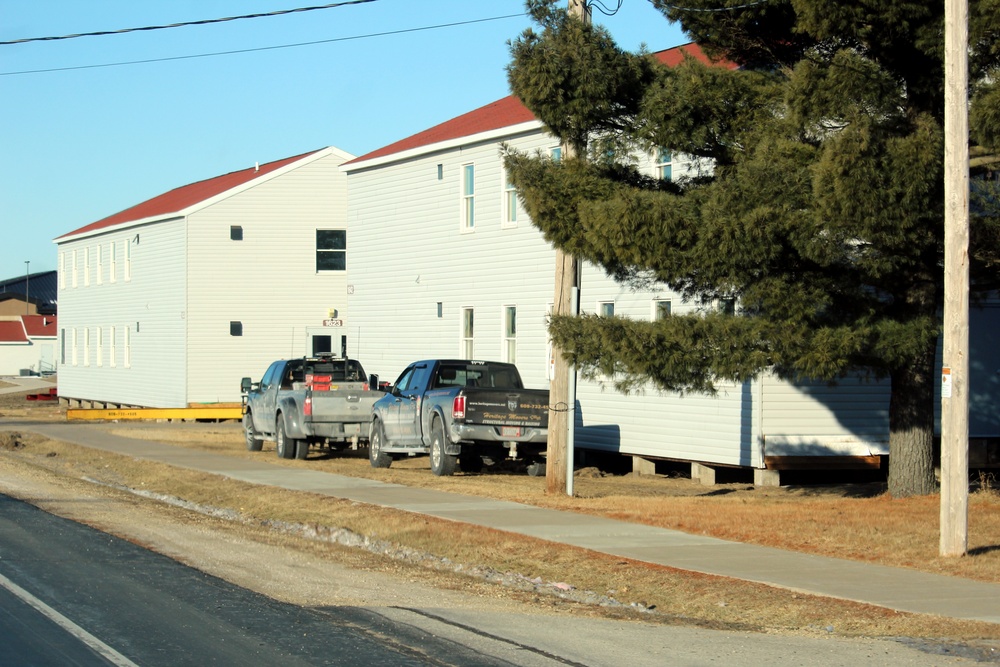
(245, 385)
(373, 382)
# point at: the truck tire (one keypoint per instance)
(254, 442)
(442, 463)
(376, 442)
(301, 449)
(284, 444)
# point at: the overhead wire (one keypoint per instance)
(102, 33)
(714, 9)
(263, 48)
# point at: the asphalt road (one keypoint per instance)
(145, 609)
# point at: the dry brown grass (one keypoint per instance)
(847, 521)
(678, 597)
(858, 521)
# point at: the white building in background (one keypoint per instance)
(27, 344)
(169, 303)
(446, 264)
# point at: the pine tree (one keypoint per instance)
(817, 205)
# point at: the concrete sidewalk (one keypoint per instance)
(894, 588)
(24, 383)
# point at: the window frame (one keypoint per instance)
(467, 332)
(508, 335)
(602, 308)
(664, 164)
(332, 251)
(468, 190)
(509, 202)
(657, 313)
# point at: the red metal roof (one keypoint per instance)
(39, 326)
(510, 111)
(186, 196)
(12, 331)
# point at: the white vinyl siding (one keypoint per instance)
(279, 218)
(397, 212)
(182, 280)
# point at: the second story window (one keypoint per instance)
(113, 261)
(606, 308)
(468, 197)
(661, 309)
(100, 264)
(331, 249)
(509, 203)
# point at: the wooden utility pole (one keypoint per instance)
(955, 374)
(562, 410)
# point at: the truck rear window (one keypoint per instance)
(337, 371)
(496, 376)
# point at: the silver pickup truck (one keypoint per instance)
(460, 412)
(299, 403)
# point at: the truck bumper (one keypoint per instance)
(486, 433)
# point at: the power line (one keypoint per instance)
(717, 9)
(263, 48)
(187, 23)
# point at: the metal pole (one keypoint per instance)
(955, 374)
(571, 430)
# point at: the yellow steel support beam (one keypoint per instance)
(207, 412)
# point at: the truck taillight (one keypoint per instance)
(458, 408)
(365, 387)
(307, 407)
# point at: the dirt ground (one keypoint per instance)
(240, 544)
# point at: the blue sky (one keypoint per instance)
(81, 144)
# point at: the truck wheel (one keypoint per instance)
(376, 456)
(301, 449)
(254, 442)
(284, 445)
(442, 463)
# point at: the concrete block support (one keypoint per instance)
(763, 477)
(641, 466)
(703, 474)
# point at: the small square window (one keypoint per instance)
(235, 328)
(606, 309)
(235, 233)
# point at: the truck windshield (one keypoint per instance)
(498, 376)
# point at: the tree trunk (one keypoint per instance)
(911, 429)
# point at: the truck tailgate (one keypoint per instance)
(502, 407)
